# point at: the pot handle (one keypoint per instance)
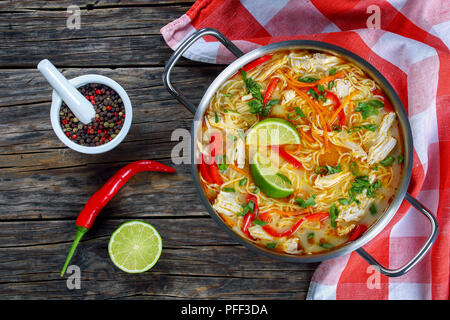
(181, 49)
(403, 270)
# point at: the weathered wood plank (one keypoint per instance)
(121, 36)
(198, 261)
(91, 5)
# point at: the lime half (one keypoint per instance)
(135, 247)
(273, 131)
(269, 179)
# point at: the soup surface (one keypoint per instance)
(300, 152)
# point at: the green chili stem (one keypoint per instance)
(80, 233)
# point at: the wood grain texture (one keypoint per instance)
(44, 185)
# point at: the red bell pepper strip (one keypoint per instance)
(250, 216)
(287, 156)
(256, 62)
(203, 167)
(357, 232)
(99, 199)
(337, 103)
(270, 90)
(213, 169)
(319, 216)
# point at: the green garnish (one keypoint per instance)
(256, 105)
(306, 203)
(369, 108)
(400, 159)
(373, 209)
(221, 163)
(333, 72)
(375, 167)
(300, 112)
(344, 202)
(321, 170)
(242, 181)
(229, 190)
(354, 168)
(256, 190)
(337, 128)
(241, 134)
(313, 94)
(216, 117)
(336, 169)
(370, 127)
(310, 235)
(227, 95)
(334, 212)
(330, 84)
(260, 222)
(284, 178)
(326, 245)
(386, 162)
(271, 245)
(232, 137)
(269, 105)
(320, 88)
(307, 79)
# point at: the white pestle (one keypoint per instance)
(80, 106)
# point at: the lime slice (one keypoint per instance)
(273, 131)
(269, 179)
(135, 247)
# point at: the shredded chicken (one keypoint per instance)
(342, 88)
(291, 245)
(226, 204)
(380, 151)
(259, 233)
(325, 182)
(352, 213)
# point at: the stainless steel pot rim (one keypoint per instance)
(242, 60)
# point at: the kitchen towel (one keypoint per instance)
(408, 42)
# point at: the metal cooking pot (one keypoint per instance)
(401, 194)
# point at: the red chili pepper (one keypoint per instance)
(256, 62)
(270, 90)
(99, 199)
(213, 169)
(250, 216)
(337, 103)
(287, 156)
(357, 232)
(319, 216)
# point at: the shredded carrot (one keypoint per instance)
(238, 169)
(329, 78)
(317, 109)
(346, 101)
(298, 84)
(306, 136)
(288, 213)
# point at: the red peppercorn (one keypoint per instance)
(74, 136)
(99, 131)
(115, 113)
(123, 116)
(98, 120)
(98, 91)
(109, 139)
(119, 122)
(87, 97)
(67, 133)
(91, 97)
(93, 101)
(108, 108)
(64, 121)
(102, 139)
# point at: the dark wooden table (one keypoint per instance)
(44, 184)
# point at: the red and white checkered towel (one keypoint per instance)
(410, 47)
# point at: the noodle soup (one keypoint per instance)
(301, 152)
